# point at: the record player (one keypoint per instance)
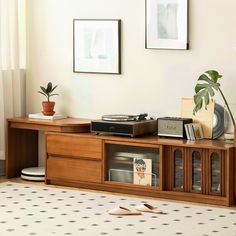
(128, 125)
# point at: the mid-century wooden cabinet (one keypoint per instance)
(198, 171)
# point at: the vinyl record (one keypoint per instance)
(218, 121)
(118, 117)
(121, 117)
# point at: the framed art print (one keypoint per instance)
(166, 24)
(96, 46)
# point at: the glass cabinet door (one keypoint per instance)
(215, 167)
(178, 169)
(132, 164)
(196, 171)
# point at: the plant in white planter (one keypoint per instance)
(48, 106)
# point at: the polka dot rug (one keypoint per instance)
(27, 209)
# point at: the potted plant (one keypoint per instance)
(48, 106)
(205, 90)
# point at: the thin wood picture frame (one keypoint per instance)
(166, 24)
(97, 46)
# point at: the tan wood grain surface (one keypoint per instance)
(22, 136)
(61, 125)
(74, 169)
(73, 146)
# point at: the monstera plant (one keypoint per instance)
(206, 88)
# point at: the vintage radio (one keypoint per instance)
(172, 127)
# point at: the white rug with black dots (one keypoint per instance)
(27, 209)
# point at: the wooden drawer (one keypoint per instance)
(71, 145)
(74, 169)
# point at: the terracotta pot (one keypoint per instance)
(48, 108)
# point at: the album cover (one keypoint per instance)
(142, 171)
(198, 132)
(194, 131)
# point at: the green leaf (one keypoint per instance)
(198, 105)
(204, 90)
(204, 77)
(53, 88)
(200, 87)
(53, 94)
(211, 91)
(206, 100)
(43, 89)
(49, 87)
(43, 93)
(214, 75)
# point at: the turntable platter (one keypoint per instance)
(118, 117)
(121, 117)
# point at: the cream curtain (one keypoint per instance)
(12, 64)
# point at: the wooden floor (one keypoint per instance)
(19, 180)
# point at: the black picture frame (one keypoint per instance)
(97, 46)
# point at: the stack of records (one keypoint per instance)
(194, 131)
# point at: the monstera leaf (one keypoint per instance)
(205, 89)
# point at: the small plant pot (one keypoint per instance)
(48, 108)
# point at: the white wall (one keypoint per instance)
(152, 81)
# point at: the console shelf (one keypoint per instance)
(198, 171)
